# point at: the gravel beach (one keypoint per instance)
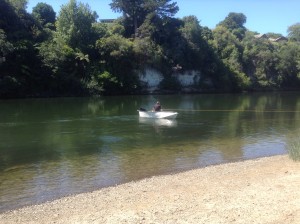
(265, 190)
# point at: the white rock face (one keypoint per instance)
(189, 78)
(152, 78)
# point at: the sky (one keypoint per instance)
(263, 16)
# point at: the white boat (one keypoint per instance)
(157, 114)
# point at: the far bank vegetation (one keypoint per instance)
(72, 53)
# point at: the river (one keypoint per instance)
(50, 148)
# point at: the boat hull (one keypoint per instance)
(158, 114)
(158, 122)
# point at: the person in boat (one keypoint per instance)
(157, 106)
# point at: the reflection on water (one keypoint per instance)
(158, 122)
(50, 148)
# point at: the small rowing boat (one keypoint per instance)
(157, 114)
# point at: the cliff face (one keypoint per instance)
(151, 78)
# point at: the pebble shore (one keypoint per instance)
(264, 190)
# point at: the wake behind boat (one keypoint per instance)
(157, 114)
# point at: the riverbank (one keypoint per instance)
(264, 190)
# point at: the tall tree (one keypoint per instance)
(199, 54)
(235, 23)
(44, 13)
(9, 20)
(132, 10)
(294, 32)
(14, 19)
(136, 11)
(118, 58)
(5, 47)
(288, 65)
(75, 22)
(259, 61)
(19, 5)
(229, 49)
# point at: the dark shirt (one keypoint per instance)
(157, 107)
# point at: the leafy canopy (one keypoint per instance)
(75, 24)
(44, 13)
(136, 11)
(294, 32)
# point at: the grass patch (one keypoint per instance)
(294, 149)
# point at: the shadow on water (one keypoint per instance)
(50, 148)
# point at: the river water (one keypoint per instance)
(50, 148)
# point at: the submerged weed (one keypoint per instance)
(294, 149)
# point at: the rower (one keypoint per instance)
(157, 107)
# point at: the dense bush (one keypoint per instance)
(74, 54)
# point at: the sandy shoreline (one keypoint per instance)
(265, 190)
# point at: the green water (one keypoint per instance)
(50, 148)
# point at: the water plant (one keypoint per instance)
(293, 148)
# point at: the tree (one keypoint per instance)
(273, 35)
(198, 54)
(229, 49)
(163, 35)
(5, 46)
(288, 65)
(75, 24)
(192, 33)
(8, 17)
(136, 11)
(20, 69)
(234, 22)
(64, 67)
(19, 5)
(117, 58)
(162, 8)
(294, 32)
(132, 11)
(15, 21)
(44, 13)
(259, 61)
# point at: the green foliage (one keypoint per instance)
(108, 83)
(273, 35)
(5, 46)
(114, 47)
(148, 53)
(76, 55)
(117, 57)
(117, 29)
(19, 5)
(100, 29)
(288, 64)
(260, 62)
(74, 23)
(293, 148)
(55, 53)
(136, 11)
(229, 49)
(44, 13)
(294, 32)
(197, 55)
(234, 22)
(15, 21)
